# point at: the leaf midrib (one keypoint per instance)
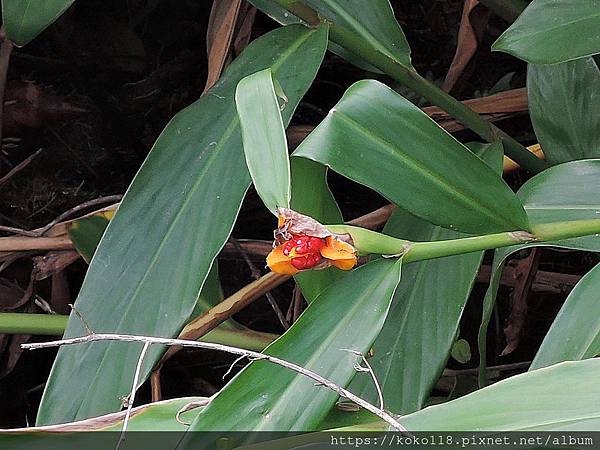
(369, 37)
(420, 168)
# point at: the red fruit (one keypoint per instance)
(299, 262)
(315, 244)
(316, 259)
(306, 262)
(287, 247)
(303, 244)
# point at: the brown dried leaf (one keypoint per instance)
(525, 274)
(28, 105)
(472, 25)
(221, 26)
(53, 262)
(296, 223)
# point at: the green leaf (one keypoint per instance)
(263, 134)
(311, 196)
(148, 271)
(347, 315)
(374, 23)
(411, 351)
(564, 397)
(553, 31)
(563, 100)
(159, 417)
(87, 232)
(560, 398)
(377, 138)
(575, 333)
(371, 26)
(568, 191)
(25, 19)
(461, 351)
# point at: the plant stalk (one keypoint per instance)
(548, 232)
(461, 112)
(55, 324)
(42, 324)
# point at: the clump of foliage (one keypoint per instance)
(399, 292)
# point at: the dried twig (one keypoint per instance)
(227, 308)
(19, 167)
(383, 415)
(84, 323)
(41, 231)
(155, 386)
(78, 208)
(371, 372)
(232, 365)
(525, 274)
(189, 407)
(6, 47)
(256, 275)
(375, 219)
(131, 397)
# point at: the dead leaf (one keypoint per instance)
(474, 20)
(295, 223)
(221, 26)
(27, 105)
(52, 263)
(525, 274)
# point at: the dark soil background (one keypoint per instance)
(112, 73)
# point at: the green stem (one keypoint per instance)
(246, 339)
(547, 232)
(513, 149)
(22, 323)
(55, 324)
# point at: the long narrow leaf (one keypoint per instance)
(553, 31)
(159, 417)
(263, 134)
(371, 23)
(347, 315)
(563, 103)
(378, 138)
(411, 351)
(560, 398)
(176, 216)
(25, 19)
(564, 397)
